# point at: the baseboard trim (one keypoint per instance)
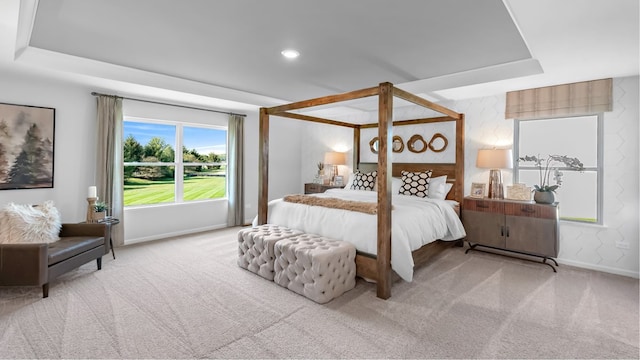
(172, 234)
(599, 268)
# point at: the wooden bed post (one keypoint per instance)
(385, 134)
(459, 190)
(356, 147)
(263, 167)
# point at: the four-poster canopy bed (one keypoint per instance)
(376, 267)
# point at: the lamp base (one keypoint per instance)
(496, 190)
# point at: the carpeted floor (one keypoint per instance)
(187, 298)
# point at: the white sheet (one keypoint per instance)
(415, 222)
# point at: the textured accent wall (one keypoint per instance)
(589, 246)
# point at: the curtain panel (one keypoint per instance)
(235, 170)
(109, 165)
(587, 97)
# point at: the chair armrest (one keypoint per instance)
(24, 264)
(84, 229)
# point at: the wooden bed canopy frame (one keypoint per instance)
(377, 267)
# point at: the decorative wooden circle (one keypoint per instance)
(373, 145)
(397, 140)
(438, 136)
(412, 142)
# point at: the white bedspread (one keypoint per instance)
(415, 222)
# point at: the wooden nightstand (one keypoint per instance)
(312, 188)
(521, 227)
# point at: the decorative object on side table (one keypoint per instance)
(477, 190)
(334, 159)
(318, 178)
(99, 211)
(495, 159)
(520, 192)
(544, 192)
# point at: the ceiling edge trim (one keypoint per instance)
(26, 21)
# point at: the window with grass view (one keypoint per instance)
(579, 193)
(155, 173)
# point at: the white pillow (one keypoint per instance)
(349, 181)
(396, 184)
(439, 188)
(29, 224)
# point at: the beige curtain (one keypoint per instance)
(109, 162)
(581, 98)
(235, 170)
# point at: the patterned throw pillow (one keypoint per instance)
(415, 183)
(362, 181)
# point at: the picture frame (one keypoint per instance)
(338, 180)
(26, 146)
(477, 190)
(519, 192)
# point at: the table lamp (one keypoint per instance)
(495, 159)
(335, 158)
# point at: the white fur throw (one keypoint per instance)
(29, 224)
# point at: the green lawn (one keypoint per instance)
(144, 192)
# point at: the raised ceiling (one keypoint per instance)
(198, 51)
(344, 45)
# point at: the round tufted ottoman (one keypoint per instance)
(314, 266)
(255, 247)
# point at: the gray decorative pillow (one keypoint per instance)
(362, 181)
(415, 183)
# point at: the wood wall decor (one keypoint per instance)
(435, 137)
(373, 145)
(398, 144)
(411, 144)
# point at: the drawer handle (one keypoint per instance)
(528, 210)
(483, 205)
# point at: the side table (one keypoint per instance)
(109, 221)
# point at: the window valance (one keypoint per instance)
(580, 98)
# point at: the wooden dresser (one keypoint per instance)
(521, 227)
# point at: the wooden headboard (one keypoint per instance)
(439, 169)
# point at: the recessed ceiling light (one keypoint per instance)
(290, 53)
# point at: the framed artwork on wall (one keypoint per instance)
(26, 146)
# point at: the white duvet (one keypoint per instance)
(415, 222)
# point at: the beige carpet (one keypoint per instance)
(187, 298)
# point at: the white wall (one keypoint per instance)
(74, 139)
(582, 245)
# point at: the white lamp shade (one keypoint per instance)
(335, 158)
(495, 159)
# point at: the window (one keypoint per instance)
(154, 173)
(580, 194)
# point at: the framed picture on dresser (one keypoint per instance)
(477, 190)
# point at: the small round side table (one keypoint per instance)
(110, 221)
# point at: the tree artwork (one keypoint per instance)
(26, 147)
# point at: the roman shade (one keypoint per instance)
(587, 97)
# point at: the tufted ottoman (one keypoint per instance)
(255, 247)
(314, 266)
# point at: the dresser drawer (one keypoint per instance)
(487, 206)
(531, 210)
(313, 188)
